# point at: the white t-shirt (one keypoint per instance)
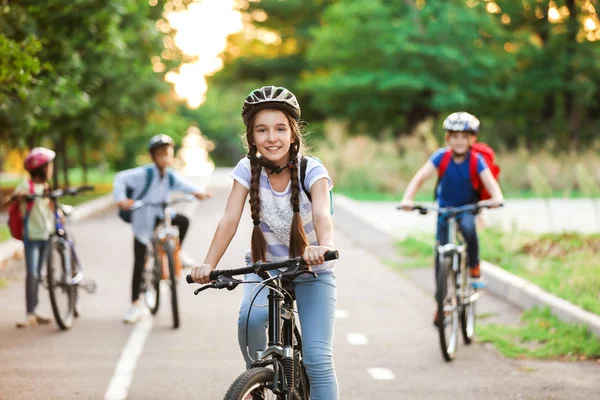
(276, 210)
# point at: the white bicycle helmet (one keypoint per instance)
(270, 97)
(160, 140)
(461, 122)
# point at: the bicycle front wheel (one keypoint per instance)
(256, 383)
(447, 309)
(467, 321)
(151, 281)
(60, 287)
(173, 284)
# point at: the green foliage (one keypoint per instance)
(542, 336)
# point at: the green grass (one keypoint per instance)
(419, 248)
(541, 336)
(426, 197)
(4, 233)
(567, 265)
(3, 283)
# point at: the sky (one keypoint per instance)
(202, 30)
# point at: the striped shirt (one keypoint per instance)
(276, 211)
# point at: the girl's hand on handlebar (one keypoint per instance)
(201, 273)
(315, 255)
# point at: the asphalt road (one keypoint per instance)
(385, 346)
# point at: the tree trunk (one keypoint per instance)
(62, 152)
(568, 92)
(82, 157)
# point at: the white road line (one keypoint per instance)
(341, 314)
(357, 339)
(381, 374)
(121, 379)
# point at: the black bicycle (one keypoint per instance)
(455, 297)
(278, 371)
(64, 271)
(162, 258)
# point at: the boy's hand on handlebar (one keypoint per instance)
(491, 203)
(315, 255)
(202, 196)
(126, 204)
(201, 273)
(407, 205)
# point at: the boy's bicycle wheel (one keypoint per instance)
(173, 284)
(151, 282)
(62, 292)
(447, 309)
(467, 321)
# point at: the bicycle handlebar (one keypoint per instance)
(295, 264)
(55, 194)
(137, 204)
(423, 209)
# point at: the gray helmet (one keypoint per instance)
(160, 140)
(270, 97)
(461, 122)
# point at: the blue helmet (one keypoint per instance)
(461, 122)
(160, 140)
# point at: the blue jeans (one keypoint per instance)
(35, 254)
(316, 301)
(466, 224)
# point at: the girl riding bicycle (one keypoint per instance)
(286, 224)
(38, 226)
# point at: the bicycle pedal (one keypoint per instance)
(89, 286)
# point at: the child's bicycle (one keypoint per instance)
(278, 371)
(454, 296)
(64, 272)
(162, 258)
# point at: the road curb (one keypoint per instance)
(525, 294)
(13, 248)
(513, 289)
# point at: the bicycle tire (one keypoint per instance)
(152, 282)
(173, 285)
(253, 382)
(301, 382)
(63, 320)
(446, 275)
(467, 322)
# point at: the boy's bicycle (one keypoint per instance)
(454, 296)
(64, 272)
(278, 371)
(162, 258)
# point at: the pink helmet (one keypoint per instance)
(37, 157)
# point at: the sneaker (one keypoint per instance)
(29, 322)
(186, 261)
(475, 279)
(42, 319)
(134, 314)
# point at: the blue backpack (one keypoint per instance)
(125, 215)
(303, 167)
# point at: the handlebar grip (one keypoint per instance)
(188, 278)
(332, 255)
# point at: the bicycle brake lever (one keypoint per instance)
(201, 288)
(226, 283)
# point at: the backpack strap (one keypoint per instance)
(303, 167)
(171, 179)
(31, 191)
(149, 174)
(473, 170)
(446, 158)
